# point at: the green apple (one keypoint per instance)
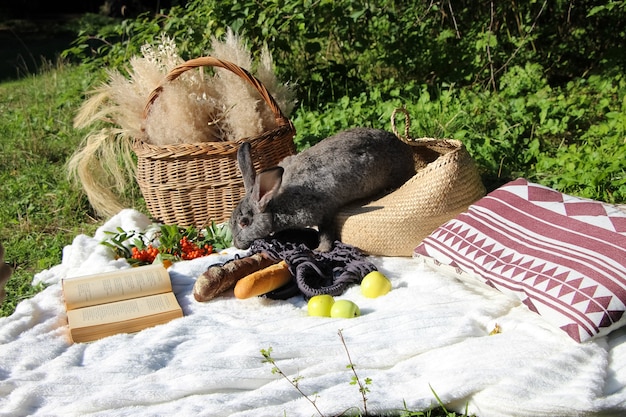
(375, 284)
(320, 305)
(344, 309)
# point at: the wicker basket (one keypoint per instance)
(194, 184)
(446, 183)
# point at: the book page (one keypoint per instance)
(115, 286)
(123, 311)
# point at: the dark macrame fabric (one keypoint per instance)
(316, 272)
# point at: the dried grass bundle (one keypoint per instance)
(245, 112)
(197, 107)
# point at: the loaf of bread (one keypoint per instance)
(263, 281)
(220, 278)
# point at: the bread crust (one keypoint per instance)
(218, 279)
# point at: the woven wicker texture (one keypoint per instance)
(446, 183)
(194, 184)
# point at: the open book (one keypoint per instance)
(123, 301)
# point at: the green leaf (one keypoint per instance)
(357, 14)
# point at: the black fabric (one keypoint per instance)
(315, 272)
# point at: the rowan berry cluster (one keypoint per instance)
(190, 250)
(146, 255)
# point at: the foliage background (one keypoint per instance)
(534, 89)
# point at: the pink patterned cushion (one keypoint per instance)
(563, 256)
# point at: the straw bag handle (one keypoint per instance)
(209, 61)
(407, 124)
(416, 141)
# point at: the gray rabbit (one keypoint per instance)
(309, 188)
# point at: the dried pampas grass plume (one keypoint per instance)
(246, 113)
(181, 116)
(103, 163)
(284, 94)
(104, 183)
(240, 100)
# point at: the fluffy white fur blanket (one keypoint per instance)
(430, 333)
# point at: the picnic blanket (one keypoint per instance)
(431, 336)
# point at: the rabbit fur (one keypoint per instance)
(309, 188)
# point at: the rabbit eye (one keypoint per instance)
(244, 222)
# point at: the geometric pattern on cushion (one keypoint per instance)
(563, 256)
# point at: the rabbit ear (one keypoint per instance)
(244, 160)
(266, 186)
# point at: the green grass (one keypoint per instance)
(41, 211)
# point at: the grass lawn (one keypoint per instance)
(41, 211)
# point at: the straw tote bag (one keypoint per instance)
(196, 183)
(445, 184)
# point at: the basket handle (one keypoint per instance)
(209, 61)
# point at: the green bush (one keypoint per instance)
(338, 48)
(533, 89)
(591, 163)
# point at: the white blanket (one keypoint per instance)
(431, 333)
